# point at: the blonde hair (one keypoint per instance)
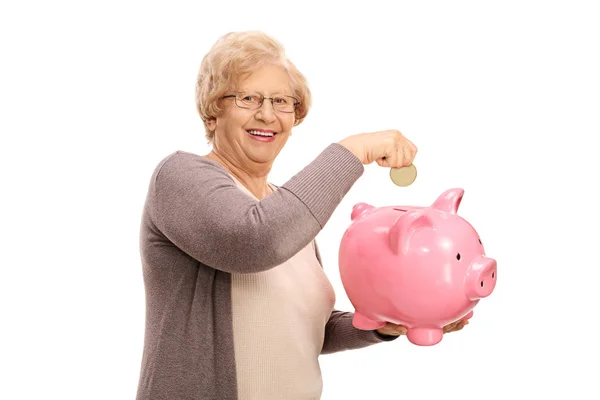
(234, 55)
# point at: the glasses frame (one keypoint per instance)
(262, 100)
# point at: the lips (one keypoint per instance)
(261, 132)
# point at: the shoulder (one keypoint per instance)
(183, 160)
(182, 166)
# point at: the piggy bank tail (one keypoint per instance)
(360, 209)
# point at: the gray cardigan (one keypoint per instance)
(197, 228)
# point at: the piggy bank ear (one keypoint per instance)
(359, 209)
(405, 226)
(449, 200)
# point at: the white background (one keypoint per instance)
(502, 99)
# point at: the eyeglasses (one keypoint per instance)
(254, 101)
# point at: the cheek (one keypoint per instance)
(240, 118)
(287, 123)
(229, 122)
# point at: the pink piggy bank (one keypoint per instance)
(420, 267)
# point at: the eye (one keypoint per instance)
(250, 98)
(458, 256)
(479, 241)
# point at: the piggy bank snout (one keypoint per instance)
(481, 278)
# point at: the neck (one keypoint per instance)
(254, 179)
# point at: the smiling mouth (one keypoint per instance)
(261, 133)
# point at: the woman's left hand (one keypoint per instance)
(396, 330)
(456, 325)
(392, 330)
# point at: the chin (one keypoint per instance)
(259, 157)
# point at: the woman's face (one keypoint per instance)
(232, 128)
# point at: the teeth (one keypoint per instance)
(267, 134)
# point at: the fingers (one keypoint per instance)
(410, 151)
(400, 153)
(387, 148)
(392, 330)
(449, 327)
(397, 330)
(456, 325)
(383, 162)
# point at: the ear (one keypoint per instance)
(359, 209)
(211, 124)
(401, 232)
(449, 201)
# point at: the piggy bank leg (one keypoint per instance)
(424, 336)
(366, 324)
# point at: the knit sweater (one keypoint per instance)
(202, 239)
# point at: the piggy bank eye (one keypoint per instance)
(458, 256)
(479, 241)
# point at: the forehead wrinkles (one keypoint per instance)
(266, 84)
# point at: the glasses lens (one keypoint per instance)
(248, 100)
(284, 103)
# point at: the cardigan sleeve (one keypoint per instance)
(196, 205)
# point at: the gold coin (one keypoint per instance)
(404, 176)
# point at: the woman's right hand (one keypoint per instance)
(387, 148)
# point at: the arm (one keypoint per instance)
(341, 335)
(197, 206)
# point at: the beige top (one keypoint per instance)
(279, 319)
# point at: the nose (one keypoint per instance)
(266, 112)
(481, 278)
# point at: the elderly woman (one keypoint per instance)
(238, 305)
